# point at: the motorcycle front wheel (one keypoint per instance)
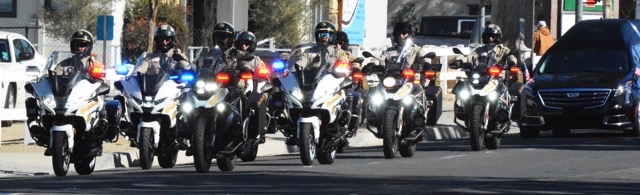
(146, 148)
(168, 159)
(225, 163)
(327, 157)
(307, 145)
(202, 154)
(476, 134)
(390, 140)
(61, 156)
(85, 166)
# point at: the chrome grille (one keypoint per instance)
(574, 98)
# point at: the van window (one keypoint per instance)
(4, 51)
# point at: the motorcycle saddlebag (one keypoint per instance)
(434, 93)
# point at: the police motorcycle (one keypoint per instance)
(482, 100)
(226, 122)
(70, 112)
(151, 111)
(393, 109)
(316, 109)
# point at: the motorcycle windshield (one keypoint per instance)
(309, 77)
(63, 84)
(149, 83)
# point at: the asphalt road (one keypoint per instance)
(591, 162)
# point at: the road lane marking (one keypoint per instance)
(454, 156)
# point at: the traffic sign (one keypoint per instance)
(105, 27)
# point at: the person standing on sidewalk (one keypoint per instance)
(542, 39)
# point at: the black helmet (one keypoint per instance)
(81, 38)
(164, 32)
(343, 39)
(325, 27)
(223, 30)
(401, 28)
(246, 37)
(492, 30)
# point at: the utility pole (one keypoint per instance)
(578, 11)
(606, 9)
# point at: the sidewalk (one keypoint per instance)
(17, 159)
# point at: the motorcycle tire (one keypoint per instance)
(85, 166)
(250, 154)
(61, 156)
(476, 134)
(407, 150)
(307, 144)
(634, 131)
(146, 148)
(168, 159)
(202, 155)
(226, 163)
(390, 140)
(492, 142)
(327, 158)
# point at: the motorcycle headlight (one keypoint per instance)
(187, 107)
(492, 96)
(297, 94)
(407, 100)
(475, 78)
(211, 87)
(389, 82)
(376, 99)
(464, 94)
(200, 84)
(49, 101)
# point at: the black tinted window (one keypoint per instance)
(4, 51)
(585, 61)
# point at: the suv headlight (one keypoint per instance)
(622, 88)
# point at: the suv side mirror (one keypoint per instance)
(24, 56)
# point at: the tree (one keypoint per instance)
(136, 30)
(72, 15)
(506, 14)
(280, 19)
(406, 14)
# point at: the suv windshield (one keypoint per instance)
(4, 51)
(578, 61)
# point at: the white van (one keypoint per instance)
(16, 53)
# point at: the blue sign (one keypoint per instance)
(105, 27)
(353, 20)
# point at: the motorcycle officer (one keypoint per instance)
(401, 36)
(81, 60)
(323, 53)
(492, 44)
(165, 54)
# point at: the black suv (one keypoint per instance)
(587, 80)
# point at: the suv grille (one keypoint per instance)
(574, 98)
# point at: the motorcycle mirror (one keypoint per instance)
(457, 51)
(266, 87)
(455, 65)
(346, 84)
(358, 60)
(32, 71)
(103, 89)
(367, 54)
(429, 55)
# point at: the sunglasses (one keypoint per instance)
(244, 43)
(324, 34)
(81, 44)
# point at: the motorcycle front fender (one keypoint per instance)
(315, 122)
(155, 126)
(67, 129)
